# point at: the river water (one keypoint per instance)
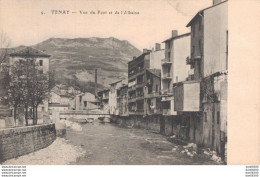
(108, 144)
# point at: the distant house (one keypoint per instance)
(103, 97)
(59, 102)
(62, 98)
(113, 101)
(85, 101)
(123, 101)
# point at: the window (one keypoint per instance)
(205, 116)
(41, 63)
(85, 103)
(169, 54)
(218, 117)
(156, 88)
(42, 108)
(80, 98)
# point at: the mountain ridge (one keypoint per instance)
(74, 59)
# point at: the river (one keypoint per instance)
(108, 144)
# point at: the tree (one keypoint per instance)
(28, 87)
(4, 45)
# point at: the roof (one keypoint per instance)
(124, 86)
(29, 52)
(116, 82)
(155, 72)
(137, 58)
(186, 82)
(57, 105)
(104, 90)
(177, 37)
(201, 11)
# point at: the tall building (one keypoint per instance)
(206, 120)
(144, 82)
(209, 34)
(174, 68)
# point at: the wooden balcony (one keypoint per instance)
(153, 95)
(167, 76)
(166, 62)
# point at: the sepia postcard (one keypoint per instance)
(126, 83)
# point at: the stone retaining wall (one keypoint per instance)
(15, 142)
(166, 125)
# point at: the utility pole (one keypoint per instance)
(95, 82)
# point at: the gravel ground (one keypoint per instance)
(60, 152)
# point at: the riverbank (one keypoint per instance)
(60, 152)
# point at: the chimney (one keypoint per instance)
(216, 1)
(95, 82)
(174, 33)
(157, 46)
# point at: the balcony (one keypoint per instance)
(152, 95)
(167, 92)
(139, 96)
(130, 89)
(189, 61)
(139, 84)
(131, 99)
(167, 76)
(167, 98)
(166, 61)
(137, 112)
(135, 74)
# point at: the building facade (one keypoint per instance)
(209, 61)
(85, 101)
(123, 101)
(114, 94)
(174, 68)
(144, 83)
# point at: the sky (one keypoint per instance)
(24, 24)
